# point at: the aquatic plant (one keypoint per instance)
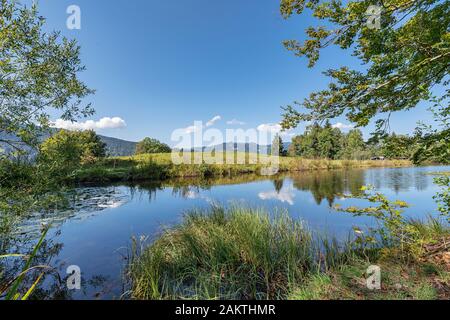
(12, 287)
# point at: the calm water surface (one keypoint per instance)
(97, 231)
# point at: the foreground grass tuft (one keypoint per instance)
(238, 253)
(243, 253)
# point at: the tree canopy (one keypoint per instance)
(69, 149)
(149, 145)
(398, 146)
(330, 143)
(353, 145)
(318, 142)
(38, 72)
(434, 142)
(405, 59)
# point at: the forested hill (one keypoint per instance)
(115, 147)
(119, 147)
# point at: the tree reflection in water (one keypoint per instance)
(322, 184)
(329, 185)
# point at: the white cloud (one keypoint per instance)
(213, 121)
(112, 204)
(111, 123)
(198, 125)
(103, 123)
(275, 128)
(269, 127)
(285, 195)
(194, 195)
(235, 122)
(342, 126)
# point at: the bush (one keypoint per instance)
(14, 174)
(149, 145)
(67, 150)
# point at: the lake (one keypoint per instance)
(95, 232)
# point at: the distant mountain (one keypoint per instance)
(240, 147)
(4, 147)
(118, 147)
(115, 147)
(229, 147)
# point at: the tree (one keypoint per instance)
(67, 150)
(61, 150)
(294, 148)
(355, 141)
(397, 146)
(405, 59)
(329, 140)
(307, 144)
(38, 75)
(38, 71)
(149, 145)
(433, 143)
(317, 142)
(353, 146)
(93, 148)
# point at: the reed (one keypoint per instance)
(12, 288)
(236, 253)
(160, 167)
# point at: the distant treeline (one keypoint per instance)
(331, 143)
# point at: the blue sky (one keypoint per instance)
(160, 65)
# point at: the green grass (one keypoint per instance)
(439, 173)
(239, 253)
(404, 274)
(243, 253)
(399, 281)
(160, 167)
(316, 287)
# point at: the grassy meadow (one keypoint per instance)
(160, 166)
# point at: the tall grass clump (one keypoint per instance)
(235, 253)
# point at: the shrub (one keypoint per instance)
(67, 150)
(149, 145)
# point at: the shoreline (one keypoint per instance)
(158, 167)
